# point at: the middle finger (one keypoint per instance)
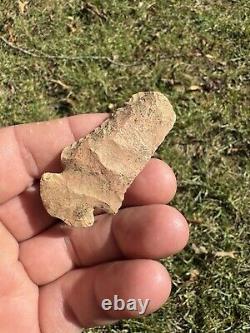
(149, 232)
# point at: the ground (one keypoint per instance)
(61, 58)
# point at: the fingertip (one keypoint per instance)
(83, 124)
(180, 229)
(153, 231)
(171, 223)
(134, 280)
(156, 183)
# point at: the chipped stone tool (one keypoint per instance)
(99, 168)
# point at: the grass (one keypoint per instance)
(197, 53)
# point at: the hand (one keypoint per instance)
(54, 278)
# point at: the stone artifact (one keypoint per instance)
(100, 167)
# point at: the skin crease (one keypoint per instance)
(45, 265)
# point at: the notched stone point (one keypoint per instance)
(99, 168)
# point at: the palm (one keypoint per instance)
(53, 278)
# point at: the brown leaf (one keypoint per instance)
(199, 249)
(209, 56)
(61, 84)
(22, 6)
(194, 88)
(94, 10)
(225, 254)
(71, 28)
(194, 273)
(11, 87)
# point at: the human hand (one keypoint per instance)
(53, 278)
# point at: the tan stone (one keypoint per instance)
(99, 168)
